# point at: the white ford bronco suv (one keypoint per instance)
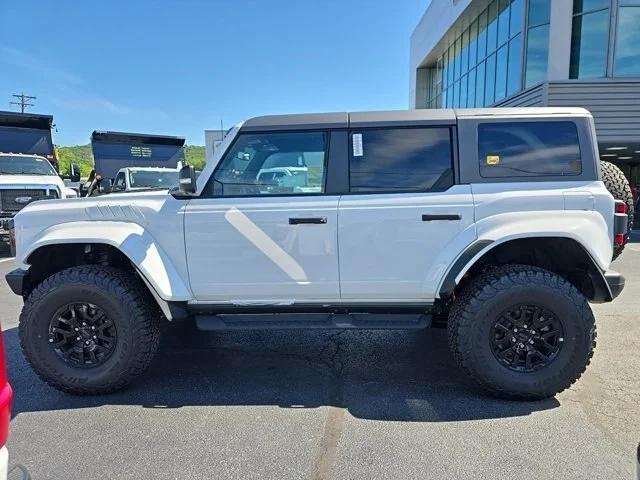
(496, 220)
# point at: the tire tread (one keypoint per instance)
(485, 286)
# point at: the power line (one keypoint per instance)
(24, 101)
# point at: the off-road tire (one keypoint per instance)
(479, 304)
(125, 300)
(619, 187)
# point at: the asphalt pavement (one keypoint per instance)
(330, 404)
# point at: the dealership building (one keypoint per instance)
(523, 53)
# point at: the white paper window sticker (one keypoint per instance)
(357, 145)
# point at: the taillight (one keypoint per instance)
(619, 239)
(621, 207)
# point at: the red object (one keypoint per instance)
(619, 239)
(621, 207)
(6, 396)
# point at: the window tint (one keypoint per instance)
(400, 159)
(273, 164)
(526, 149)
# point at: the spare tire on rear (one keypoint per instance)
(619, 187)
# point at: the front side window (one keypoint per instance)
(273, 164)
(528, 149)
(119, 183)
(400, 159)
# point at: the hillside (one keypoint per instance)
(81, 154)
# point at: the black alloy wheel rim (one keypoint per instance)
(82, 335)
(526, 338)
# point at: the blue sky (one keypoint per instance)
(178, 67)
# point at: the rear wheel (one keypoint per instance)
(89, 329)
(618, 186)
(521, 332)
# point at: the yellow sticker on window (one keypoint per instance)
(493, 159)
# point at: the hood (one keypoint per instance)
(17, 181)
(80, 207)
(157, 212)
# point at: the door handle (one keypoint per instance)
(446, 216)
(307, 220)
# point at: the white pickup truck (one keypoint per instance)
(495, 219)
(24, 179)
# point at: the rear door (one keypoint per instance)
(404, 218)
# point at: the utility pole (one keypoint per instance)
(23, 102)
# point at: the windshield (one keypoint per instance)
(153, 179)
(25, 165)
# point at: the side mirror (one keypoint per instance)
(75, 173)
(187, 179)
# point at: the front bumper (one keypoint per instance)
(615, 282)
(17, 280)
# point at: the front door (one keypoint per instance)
(404, 220)
(264, 232)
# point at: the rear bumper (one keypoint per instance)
(17, 280)
(615, 282)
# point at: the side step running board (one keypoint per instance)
(311, 321)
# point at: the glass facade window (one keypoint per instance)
(581, 6)
(471, 89)
(539, 12)
(589, 39)
(492, 27)
(537, 55)
(516, 17)
(466, 70)
(501, 73)
(480, 72)
(473, 44)
(482, 36)
(490, 80)
(514, 64)
(537, 48)
(627, 58)
(503, 22)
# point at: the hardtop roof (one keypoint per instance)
(319, 121)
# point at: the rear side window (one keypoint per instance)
(528, 149)
(400, 159)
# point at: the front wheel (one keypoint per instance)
(89, 329)
(521, 332)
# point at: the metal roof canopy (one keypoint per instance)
(124, 137)
(26, 120)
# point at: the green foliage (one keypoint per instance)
(194, 155)
(82, 155)
(79, 154)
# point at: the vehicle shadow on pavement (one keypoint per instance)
(378, 375)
